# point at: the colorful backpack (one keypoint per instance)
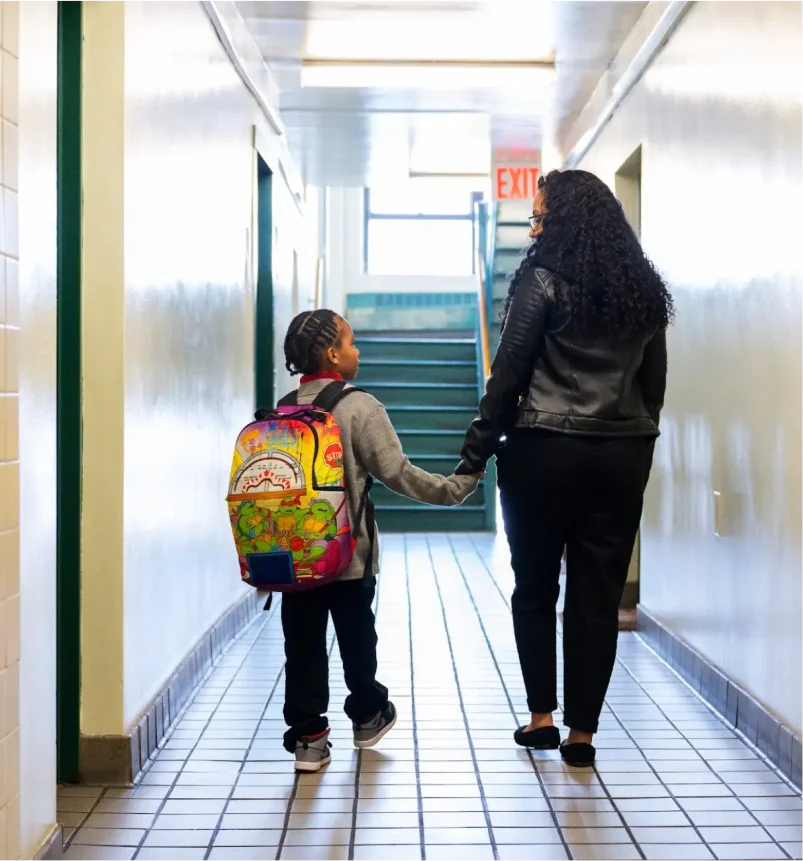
(287, 497)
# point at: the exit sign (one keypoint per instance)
(515, 181)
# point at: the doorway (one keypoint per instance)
(627, 187)
(264, 365)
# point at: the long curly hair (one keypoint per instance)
(610, 284)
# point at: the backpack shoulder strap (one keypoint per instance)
(327, 400)
(289, 400)
(367, 510)
(330, 396)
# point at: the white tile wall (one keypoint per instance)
(9, 436)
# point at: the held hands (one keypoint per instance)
(466, 484)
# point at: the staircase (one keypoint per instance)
(510, 241)
(430, 386)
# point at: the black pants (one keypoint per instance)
(585, 495)
(304, 619)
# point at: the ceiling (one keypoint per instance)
(369, 133)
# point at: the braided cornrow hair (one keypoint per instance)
(310, 334)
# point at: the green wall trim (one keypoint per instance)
(68, 393)
(389, 312)
(263, 311)
(411, 300)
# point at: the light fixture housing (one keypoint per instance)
(426, 75)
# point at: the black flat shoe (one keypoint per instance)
(579, 754)
(543, 738)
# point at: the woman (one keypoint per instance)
(571, 410)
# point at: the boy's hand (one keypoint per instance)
(465, 484)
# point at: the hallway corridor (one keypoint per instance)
(672, 780)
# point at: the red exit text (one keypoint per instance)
(516, 183)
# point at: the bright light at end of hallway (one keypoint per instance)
(451, 145)
(426, 75)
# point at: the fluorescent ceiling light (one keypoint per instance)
(448, 174)
(493, 32)
(425, 75)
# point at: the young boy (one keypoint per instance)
(320, 346)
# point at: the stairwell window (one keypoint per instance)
(421, 228)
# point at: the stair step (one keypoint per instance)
(429, 518)
(418, 371)
(426, 394)
(384, 497)
(442, 442)
(414, 335)
(438, 464)
(433, 418)
(429, 386)
(419, 349)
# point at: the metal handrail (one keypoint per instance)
(482, 310)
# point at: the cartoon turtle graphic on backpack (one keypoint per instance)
(254, 528)
(285, 519)
(318, 524)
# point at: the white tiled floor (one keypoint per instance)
(671, 782)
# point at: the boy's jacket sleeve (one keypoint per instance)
(380, 451)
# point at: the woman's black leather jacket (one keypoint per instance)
(550, 374)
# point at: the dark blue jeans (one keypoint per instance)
(584, 495)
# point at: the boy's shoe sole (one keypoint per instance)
(312, 766)
(374, 740)
(312, 752)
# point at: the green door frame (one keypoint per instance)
(263, 317)
(68, 393)
(627, 187)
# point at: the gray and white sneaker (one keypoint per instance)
(368, 734)
(312, 752)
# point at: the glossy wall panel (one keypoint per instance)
(719, 120)
(10, 587)
(30, 34)
(188, 327)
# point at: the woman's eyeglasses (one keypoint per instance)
(535, 220)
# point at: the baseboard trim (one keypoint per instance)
(53, 848)
(771, 736)
(118, 759)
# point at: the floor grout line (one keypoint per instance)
(248, 748)
(297, 777)
(610, 798)
(669, 721)
(200, 735)
(416, 752)
(215, 725)
(512, 708)
(708, 764)
(357, 773)
(483, 798)
(720, 717)
(198, 688)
